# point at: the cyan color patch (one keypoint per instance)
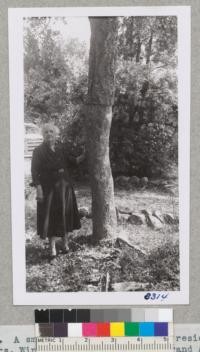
(146, 329)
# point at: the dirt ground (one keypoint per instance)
(147, 260)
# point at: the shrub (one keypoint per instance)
(163, 263)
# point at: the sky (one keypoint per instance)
(76, 27)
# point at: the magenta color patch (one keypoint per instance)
(89, 329)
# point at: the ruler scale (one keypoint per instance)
(105, 344)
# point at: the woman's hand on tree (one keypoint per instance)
(80, 158)
(40, 195)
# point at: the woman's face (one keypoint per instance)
(49, 134)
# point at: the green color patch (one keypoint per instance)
(131, 329)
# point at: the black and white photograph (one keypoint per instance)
(99, 115)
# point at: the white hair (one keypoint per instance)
(50, 125)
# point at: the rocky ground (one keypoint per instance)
(144, 255)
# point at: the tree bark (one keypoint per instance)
(101, 84)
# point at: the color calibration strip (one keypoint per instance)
(104, 329)
(103, 315)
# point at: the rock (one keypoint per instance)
(129, 286)
(122, 181)
(123, 217)
(144, 181)
(146, 212)
(155, 182)
(170, 219)
(137, 219)
(166, 218)
(122, 241)
(94, 278)
(84, 212)
(124, 210)
(152, 221)
(176, 219)
(91, 288)
(158, 215)
(134, 180)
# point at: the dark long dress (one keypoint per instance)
(58, 213)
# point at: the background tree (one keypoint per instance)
(145, 119)
(101, 86)
(55, 73)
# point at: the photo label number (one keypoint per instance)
(156, 296)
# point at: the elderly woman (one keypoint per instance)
(57, 212)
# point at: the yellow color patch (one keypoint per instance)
(116, 329)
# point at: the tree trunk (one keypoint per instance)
(149, 48)
(138, 51)
(102, 59)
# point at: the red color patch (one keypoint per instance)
(103, 329)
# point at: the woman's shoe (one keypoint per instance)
(53, 253)
(65, 249)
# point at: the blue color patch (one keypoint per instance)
(146, 329)
(161, 329)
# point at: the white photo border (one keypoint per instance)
(15, 22)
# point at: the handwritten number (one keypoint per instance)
(147, 296)
(155, 296)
